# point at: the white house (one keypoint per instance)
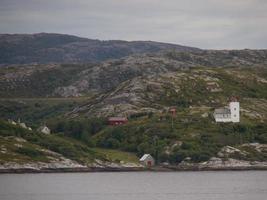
(230, 113)
(44, 129)
(21, 124)
(147, 160)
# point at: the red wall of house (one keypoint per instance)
(114, 123)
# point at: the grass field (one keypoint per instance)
(117, 156)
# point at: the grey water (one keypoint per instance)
(223, 185)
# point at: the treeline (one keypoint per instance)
(198, 140)
(80, 129)
(68, 147)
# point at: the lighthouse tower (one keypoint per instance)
(235, 110)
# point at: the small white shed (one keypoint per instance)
(147, 160)
(44, 130)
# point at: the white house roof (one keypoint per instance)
(23, 125)
(145, 156)
(43, 127)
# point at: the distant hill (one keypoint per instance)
(74, 80)
(60, 48)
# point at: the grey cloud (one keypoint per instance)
(202, 23)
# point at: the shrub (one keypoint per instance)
(29, 152)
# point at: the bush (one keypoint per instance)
(112, 143)
(81, 129)
(29, 152)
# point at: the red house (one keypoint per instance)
(113, 121)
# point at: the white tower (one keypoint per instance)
(235, 111)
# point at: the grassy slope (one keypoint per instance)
(37, 110)
(191, 135)
(241, 82)
(117, 156)
(14, 149)
(68, 147)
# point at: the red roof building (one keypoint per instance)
(234, 99)
(113, 121)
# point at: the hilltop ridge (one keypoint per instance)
(43, 48)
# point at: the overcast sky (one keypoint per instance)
(217, 24)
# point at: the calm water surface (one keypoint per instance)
(243, 185)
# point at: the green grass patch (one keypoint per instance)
(117, 156)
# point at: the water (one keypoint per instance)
(229, 185)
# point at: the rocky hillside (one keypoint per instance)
(74, 80)
(74, 100)
(198, 90)
(59, 48)
(136, 84)
(195, 87)
(22, 149)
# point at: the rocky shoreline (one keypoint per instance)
(214, 164)
(223, 161)
(155, 169)
(67, 170)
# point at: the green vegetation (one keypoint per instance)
(31, 149)
(193, 134)
(41, 82)
(118, 156)
(37, 110)
(251, 154)
(67, 147)
(15, 150)
(82, 129)
(246, 85)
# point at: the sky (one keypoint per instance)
(207, 24)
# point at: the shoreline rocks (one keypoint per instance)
(214, 164)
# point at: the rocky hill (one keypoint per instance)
(134, 84)
(23, 150)
(73, 80)
(195, 87)
(128, 94)
(74, 100)
(58, 48)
